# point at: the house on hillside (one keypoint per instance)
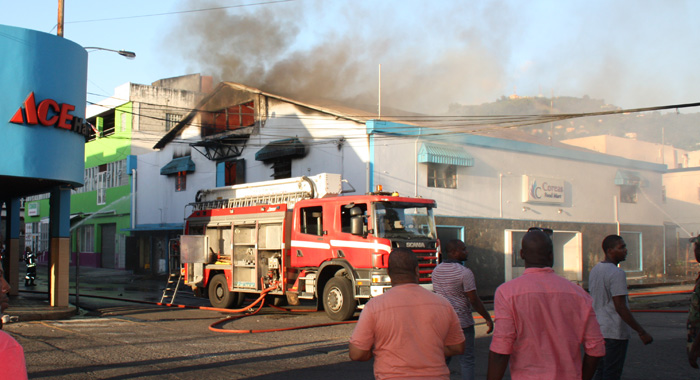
(489, 187)
(125, 126)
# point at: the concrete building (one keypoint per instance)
(125, 125)
(489, 188)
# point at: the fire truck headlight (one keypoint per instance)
(380, 278)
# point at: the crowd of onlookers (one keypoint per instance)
(544, 327)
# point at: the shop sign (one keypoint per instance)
(543, 190)
(33, 209)
(49, 113)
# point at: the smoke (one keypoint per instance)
(314, 50)
(436, 54)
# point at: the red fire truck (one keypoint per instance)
(303, 239)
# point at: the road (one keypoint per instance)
(120, 340)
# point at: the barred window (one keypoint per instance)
(171, 120)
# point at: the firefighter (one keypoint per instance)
(30, 260)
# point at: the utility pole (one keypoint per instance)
(59, 29)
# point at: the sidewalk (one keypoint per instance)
(32, 303)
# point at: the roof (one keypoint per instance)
(348, 114)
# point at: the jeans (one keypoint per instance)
(466, 360)
(610, 366)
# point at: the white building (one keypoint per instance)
(489, 189)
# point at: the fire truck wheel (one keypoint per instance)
(338, 300)
(219, 295)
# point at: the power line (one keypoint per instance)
(180, 12)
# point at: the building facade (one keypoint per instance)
(489, 189)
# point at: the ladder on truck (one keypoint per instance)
(175, 274)
(253, 200)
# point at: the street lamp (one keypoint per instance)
(123, 53)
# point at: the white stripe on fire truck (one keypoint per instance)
(310, 244)
(359, 244)
(341, 244)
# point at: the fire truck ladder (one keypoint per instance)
(253, 200)
(175, 276)
(170, 291)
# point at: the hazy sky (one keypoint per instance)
(433, 53)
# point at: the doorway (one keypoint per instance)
(108, 232)
(568, 261)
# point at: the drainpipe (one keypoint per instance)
(133, 198)
(617, 214)
(500, 195)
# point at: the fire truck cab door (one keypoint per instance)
(310, 236)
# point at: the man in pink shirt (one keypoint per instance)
(409, 330)
(542, 320)
(12, 364)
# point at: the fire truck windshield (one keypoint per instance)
(403, 220)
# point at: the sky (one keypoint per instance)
(630, 53)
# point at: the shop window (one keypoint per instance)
(442, 176)
(628, 193)
(312, 220)
(633, 262)
(86, 238)
(181, 181)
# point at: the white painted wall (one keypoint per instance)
(492, 188)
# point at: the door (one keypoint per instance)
(109, 233)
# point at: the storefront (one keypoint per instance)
(42, 127)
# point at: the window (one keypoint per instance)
(86, 238)
(312, 220)
(282, 169)
(171, 120)
(234, 172)
(663, 193)
(228, 119)
(628, 193)
(101, 188)
(181, 181)
(346, 217)
(442, 176)
(633, 262)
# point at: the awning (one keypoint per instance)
(444, 154)
(181, 164)
(627, 178)
(287, 148)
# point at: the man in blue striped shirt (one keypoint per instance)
(454, 281)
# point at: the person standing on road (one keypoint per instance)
(30, 260)
(608, 286)
(408, 330)
(693, 325)
(12, 363)
(454, 281)
(542, 321)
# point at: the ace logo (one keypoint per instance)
(47, 113)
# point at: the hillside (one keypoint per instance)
(677, 129)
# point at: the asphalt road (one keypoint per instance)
(122, 340)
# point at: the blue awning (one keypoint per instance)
(181, 164)
(287, 148)
(444, 154)
(627, 178)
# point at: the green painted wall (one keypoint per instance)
(117, 207)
